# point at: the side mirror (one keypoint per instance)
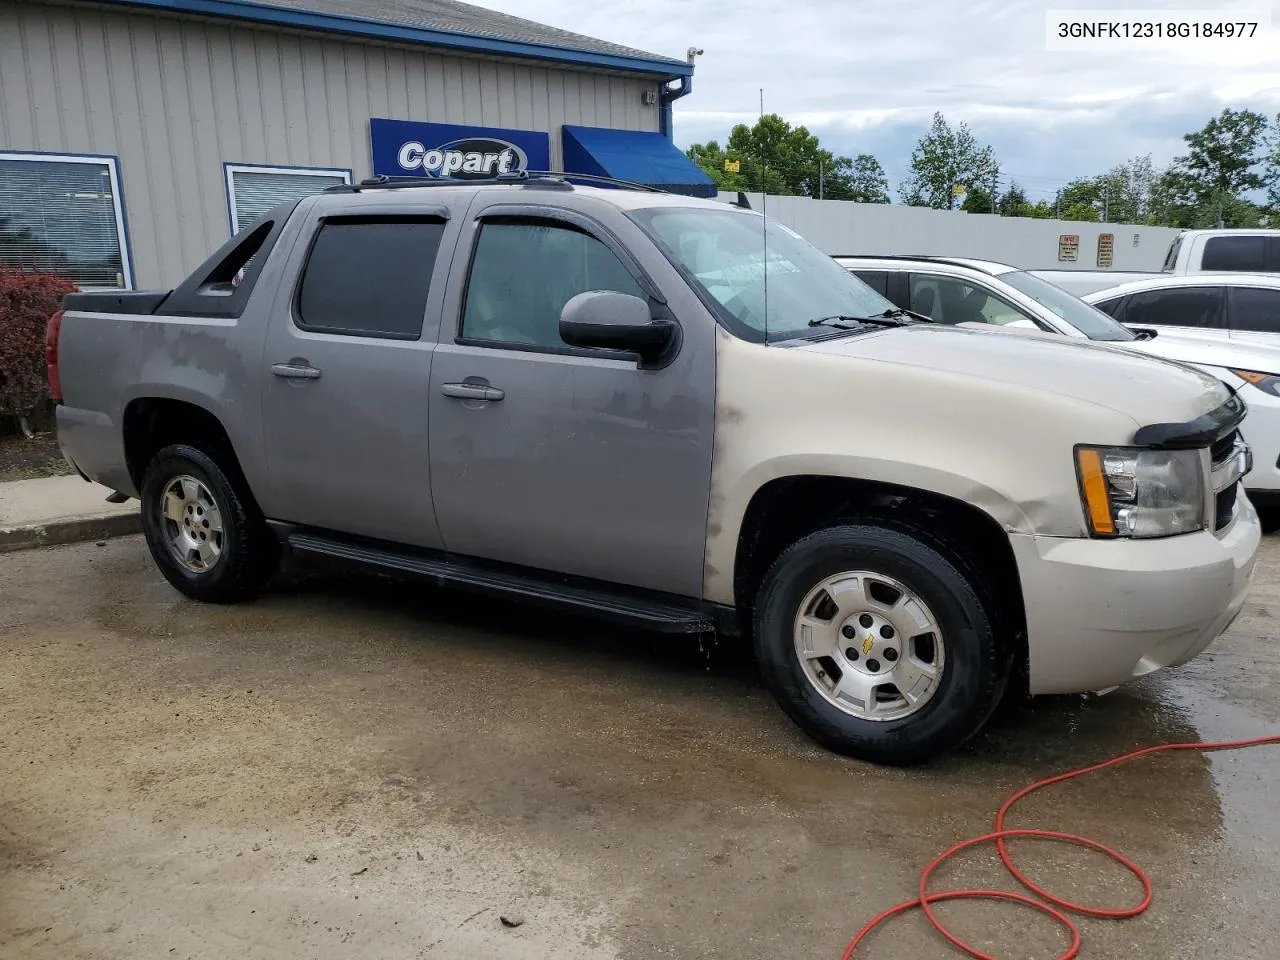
(607, 320)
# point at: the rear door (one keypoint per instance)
(347, 369)
(1254, 313)
(1201, 308)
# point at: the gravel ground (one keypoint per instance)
(357, 768)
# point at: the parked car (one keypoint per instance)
(987, 292)
(592, 398)
(1239, 306)
(1193, 253)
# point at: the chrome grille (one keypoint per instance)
(1230, 461)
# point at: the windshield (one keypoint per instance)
(723, 253)
(1089, 320)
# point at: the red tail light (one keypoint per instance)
(51, 355)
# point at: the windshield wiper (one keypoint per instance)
(897, 317)
(839, 321)
(900, 312)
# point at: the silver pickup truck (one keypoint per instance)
(676, 414)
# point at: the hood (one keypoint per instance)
(1211, 351)
(1146, 388)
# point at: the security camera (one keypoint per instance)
(693, 52)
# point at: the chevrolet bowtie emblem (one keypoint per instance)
(867, 644)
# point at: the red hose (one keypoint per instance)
(1046, 903)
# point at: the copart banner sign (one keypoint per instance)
(408, 148)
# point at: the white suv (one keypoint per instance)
(966, 291)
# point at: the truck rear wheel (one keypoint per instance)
(208, 540)
(878, 645)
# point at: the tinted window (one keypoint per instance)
(877, 280)
(1255, 308)
(1110, 307)
(523, 274)
(1181, 307)
(1235, 253)
(1171, 259)
(948, 300)
(369, 278)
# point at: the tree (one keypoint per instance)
(861, 179)
(1080, 211)
(1013, 203)
(1271, 167)
(1220, 163)
(977, 200)
(943, 158)
(1176, 201)
(777, 158)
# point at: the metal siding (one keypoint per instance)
(175, 98)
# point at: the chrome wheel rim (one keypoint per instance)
(192, 524)
(869, 645)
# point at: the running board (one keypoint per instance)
(659, 612)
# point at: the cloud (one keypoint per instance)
(867, 77)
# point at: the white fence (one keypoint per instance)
(841, 227)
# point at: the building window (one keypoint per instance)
(253, 190)
(63, 214)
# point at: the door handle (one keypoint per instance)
(472, 391)
(295, 371)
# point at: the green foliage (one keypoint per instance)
(1235, 153)
(775, 157)
(977, 200)
(1271, 167)
(1080, 211)
(944, 158)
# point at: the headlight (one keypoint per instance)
(1268, 382)
(1130, 492)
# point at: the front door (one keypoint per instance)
(346, 368)
(556, 457)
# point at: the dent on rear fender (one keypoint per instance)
(787, 412)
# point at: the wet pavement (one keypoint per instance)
(357, 768)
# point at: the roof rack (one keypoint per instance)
(930, 257)
(545, 179)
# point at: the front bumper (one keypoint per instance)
(1101, 612)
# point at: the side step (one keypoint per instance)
(660, 612)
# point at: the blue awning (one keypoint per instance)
(648, 158)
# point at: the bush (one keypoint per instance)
(27, 301)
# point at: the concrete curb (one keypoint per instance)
(71, 530)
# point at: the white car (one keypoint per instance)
(969, 291)
(1235, 306)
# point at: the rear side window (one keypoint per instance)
(1180, 307)
(1247, 254)
(1171, 259)
(1255, 308)
(877, 280)
(1110, 307)
(369, 277)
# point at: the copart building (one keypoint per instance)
(137, 135)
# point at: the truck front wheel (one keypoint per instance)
(207, 539)
(878, 645)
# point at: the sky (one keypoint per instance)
(866, 77)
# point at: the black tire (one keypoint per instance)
(977, 661)
(249, 551)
